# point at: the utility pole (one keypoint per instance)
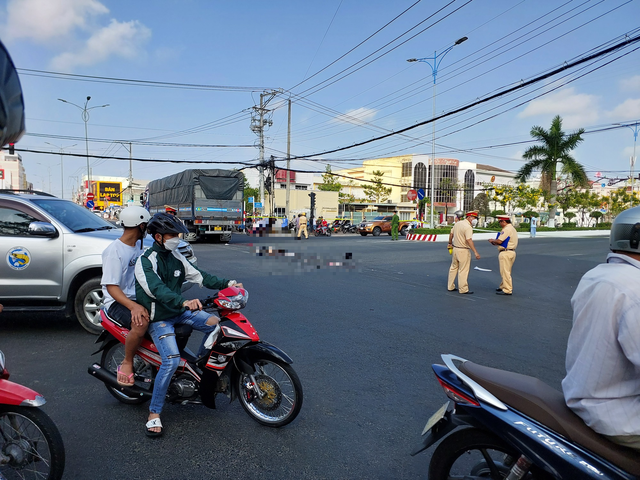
(130, 174)
(288, 172)
(257, 127)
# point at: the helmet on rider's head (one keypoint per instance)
(459, 214)
(133, 216)
(625, 231)
(165, 223)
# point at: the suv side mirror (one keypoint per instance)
(42, 229)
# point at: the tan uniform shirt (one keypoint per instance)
(462, 231)
(509, 231)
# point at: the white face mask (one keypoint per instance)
(172, 243)
(474, 222)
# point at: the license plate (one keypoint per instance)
(435, 418)
(217, 228)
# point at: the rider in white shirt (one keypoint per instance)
(602, 385)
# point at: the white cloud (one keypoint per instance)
(45, 20)
(122, 39)
(358, 116)
(632, 83)
(576, 109)
(627, 110)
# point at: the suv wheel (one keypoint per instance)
(376, 231)
(404, 230)
(87, 305)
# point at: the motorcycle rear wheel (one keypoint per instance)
(471, 453)
(32, 441)
(282, 392)
(112, 356)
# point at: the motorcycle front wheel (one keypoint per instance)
(31, 444)
(112, 357)
(281, 392)
(475, 454)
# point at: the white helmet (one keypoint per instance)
(133, 216)
(625, 231)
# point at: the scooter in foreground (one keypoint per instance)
(236, 363)
(30, 444)
(506, 425)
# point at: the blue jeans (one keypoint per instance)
(164, 338)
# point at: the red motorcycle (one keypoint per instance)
(30, 444)
(236, 363)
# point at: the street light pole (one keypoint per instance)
(434, 63)
(85, 118)
(61, 165)
(634, 129)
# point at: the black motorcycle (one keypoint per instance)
(502, 424)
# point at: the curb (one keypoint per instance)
(484, 236)
(422, 237)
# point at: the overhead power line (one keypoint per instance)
(523, 84)
(136, 82)
(136, 142)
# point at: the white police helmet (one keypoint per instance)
(625, 231)
(133, 216)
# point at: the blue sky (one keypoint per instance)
(279, 44)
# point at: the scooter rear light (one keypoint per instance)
(456, 395)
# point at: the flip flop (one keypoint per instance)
(130, 377)
(151, 424)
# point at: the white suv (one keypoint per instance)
(53, 256)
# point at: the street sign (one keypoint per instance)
(90, 197)
(90, 204)
(420, 193)
(603, 185)
(603, 210)
(411, 195)
(250, 199)
(257, 204)
(1, 174)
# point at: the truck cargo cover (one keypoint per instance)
(175, 189)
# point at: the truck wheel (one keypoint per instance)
(377, 231)
(87, 305)
(226, 238)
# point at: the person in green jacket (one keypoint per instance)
(395, 223)
(160, 272)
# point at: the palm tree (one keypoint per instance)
(555, 147)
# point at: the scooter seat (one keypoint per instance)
(546, 405)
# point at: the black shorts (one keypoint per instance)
(120, 314)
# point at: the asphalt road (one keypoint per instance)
(363, 333)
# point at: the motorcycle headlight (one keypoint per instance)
(236, 302)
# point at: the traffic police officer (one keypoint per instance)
(395, 223)
(507, 242)
(461, 257)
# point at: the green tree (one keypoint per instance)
(555, 148)
(329, 182)
(505, 195)
(527, 196)
(481, 204)
(376, 191)
(597, 215)
(567, 199)
(250, 192)
(449, 187)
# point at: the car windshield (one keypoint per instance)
(72, 215)
(378, 218)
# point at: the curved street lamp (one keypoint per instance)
(85, 118)
(434, 63)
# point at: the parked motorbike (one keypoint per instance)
(236, 363)
(506, 425)
(30, 444)
(322, 230)
(336, 227)
(353, 228)
(346, 225)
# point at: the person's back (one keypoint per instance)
(602, 385)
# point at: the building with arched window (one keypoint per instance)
(455, 183)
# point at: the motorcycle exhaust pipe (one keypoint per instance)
(111, 379)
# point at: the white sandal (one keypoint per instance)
(154, 422)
